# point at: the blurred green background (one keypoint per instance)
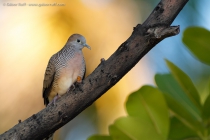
(31, 34)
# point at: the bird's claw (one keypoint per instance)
(73, 87)
(54, 99)
(77, 84)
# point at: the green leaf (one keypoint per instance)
(183, 115)
(206, 111)
(186, 84)
(178, 131)
(168, 85)
(119, 133)
(178, 102)
(134, 128)
(100, 137)
(148, 103)
(197, 40)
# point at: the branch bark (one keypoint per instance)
(107, 74)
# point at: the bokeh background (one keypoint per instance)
(31, 33)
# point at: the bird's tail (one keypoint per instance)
(49, 137)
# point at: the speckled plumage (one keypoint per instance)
(64, 67)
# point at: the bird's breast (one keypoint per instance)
(68, 74)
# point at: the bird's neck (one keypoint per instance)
(68, 52)
(68, 49)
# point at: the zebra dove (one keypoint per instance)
(64, 68)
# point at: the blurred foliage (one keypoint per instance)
(197, 40)
(146, 119)
(173, 110)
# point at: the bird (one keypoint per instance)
(64, 68)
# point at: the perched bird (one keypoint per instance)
(64, 68)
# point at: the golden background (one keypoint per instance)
(30, 35)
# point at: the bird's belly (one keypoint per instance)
(64, 84)
(68, 75)
(66, 81)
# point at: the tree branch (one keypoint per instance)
(107, 74)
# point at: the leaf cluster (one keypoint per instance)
(172, 110)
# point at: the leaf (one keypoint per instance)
(178, 131)
(134, 128)
(119, 133)
(100, 137)
(178, 102)
(186, 84)
(168, 85)
(197, 40)
(182, 114)
(148, 103)
(206, 111)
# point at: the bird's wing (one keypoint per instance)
(48, 79)
(84, 74)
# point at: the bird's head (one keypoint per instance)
(78, 41)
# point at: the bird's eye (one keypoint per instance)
(78, 40)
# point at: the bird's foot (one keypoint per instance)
(54, 99)
(77, 83)
(72, 87)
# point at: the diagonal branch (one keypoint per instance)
(107, 74)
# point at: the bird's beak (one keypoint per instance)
(86, 45)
